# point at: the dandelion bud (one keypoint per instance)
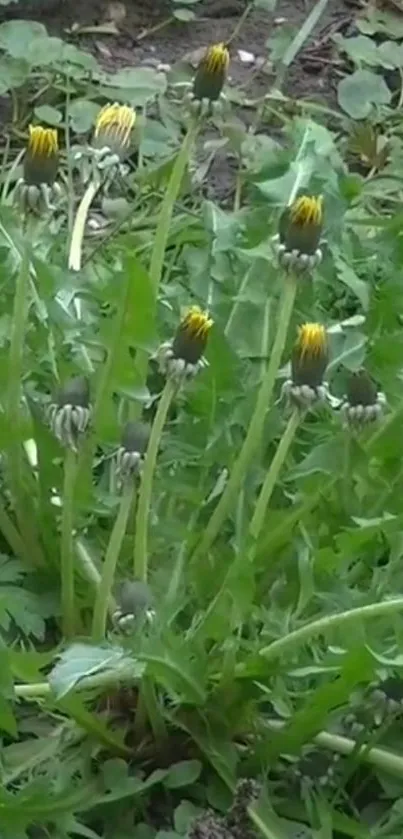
(363, 402)
(182, 357)
(133, 446)
(38, 188)
(70, 414)
(300, 230)
(206, 94)
(211, 73)
(135, 603)
(309, 360)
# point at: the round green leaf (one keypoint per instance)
(136, 85)
(184, 14)
(359, 92)
(45, 113)
(82, 115)
(182, 774)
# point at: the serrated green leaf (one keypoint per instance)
(80, 662)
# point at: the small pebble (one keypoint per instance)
(246, 57)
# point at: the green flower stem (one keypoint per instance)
(66, 544)
(42, 690)
(11, 534)
(148, 708)
(22, 504)
(273, 473)
(300, 636)
(37, 690)
(162, 234)
(15, 364)
(282, 532)
(76, 245)
(168, 203)
(382, 759)
(103, 389)
(89, 570)
(255, 430)
(86, 564)
(140, 566)
(102, 601)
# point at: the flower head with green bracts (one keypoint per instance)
(209, 80)
(182, 357)
(310, 357)
(133, 446)
(110, 142)
(135, 605)
(113, 129)
(363, 403)
(69, 415)
(299, 235)
(37, 189)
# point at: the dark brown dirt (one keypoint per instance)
(216, 21)
(313, 75)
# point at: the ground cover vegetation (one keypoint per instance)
(200, 428)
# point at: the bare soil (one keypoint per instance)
(216, 21)
(140, 41)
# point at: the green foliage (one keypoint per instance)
(268, 652)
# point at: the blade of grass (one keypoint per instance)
(304, 32)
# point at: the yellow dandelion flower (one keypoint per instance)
(113, 128)
(310, 355)
(307, 210)
(312, 339)
(301, 225)
(191, 336)
(42, 142)
(211, 73)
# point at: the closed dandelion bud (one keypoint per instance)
(316, 768)
(211, 73)
(310, 355)
(363, 402)
(41, 160)
(361, 389)
(70, 414)
(182, 357)
(309, 360)
(37, 188)
(113, 129)
(134, 603)
(300, 230)
(134, 442)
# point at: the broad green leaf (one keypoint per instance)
(184, 815)
(80, 662)
(359, 92)
(184, 15)
(181, 678)
(327, 458)
(82, 114)
(347, 275)
(48, 114)
(183, 774)
(138, 85)
(93, 724)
